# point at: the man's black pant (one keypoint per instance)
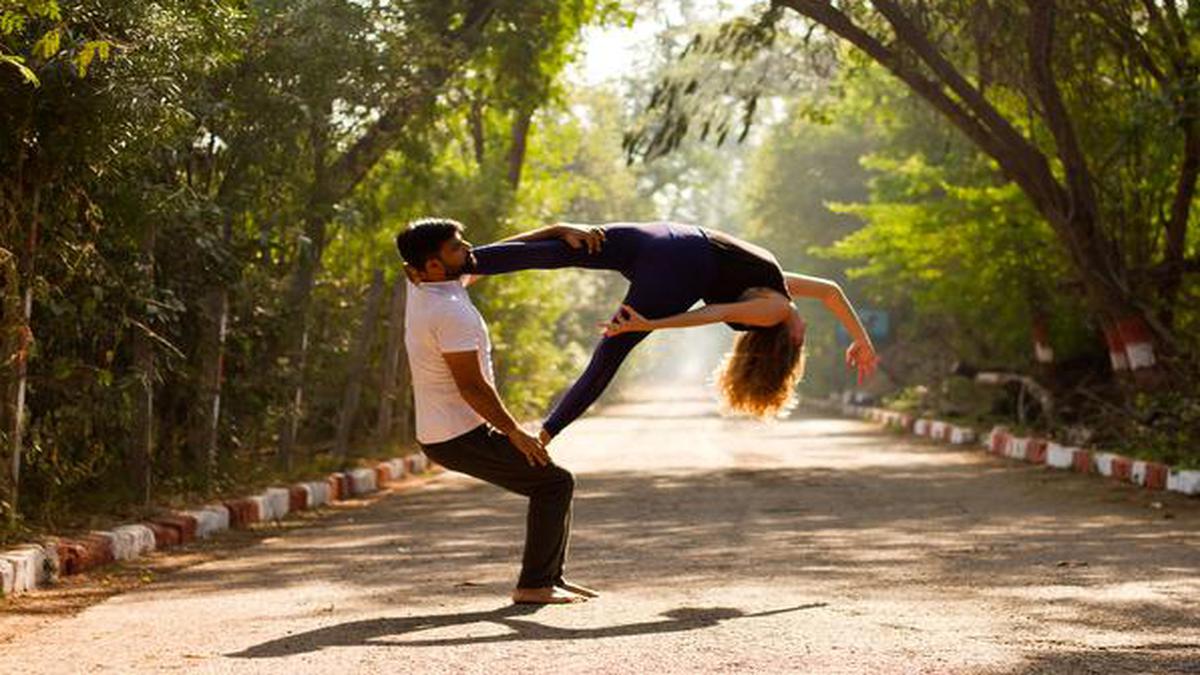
(487, 454)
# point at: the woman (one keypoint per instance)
(670, 267)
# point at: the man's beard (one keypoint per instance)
(467, 267)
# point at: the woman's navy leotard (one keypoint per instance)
(669, 267)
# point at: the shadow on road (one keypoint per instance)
(980, 531)
(382, 632)
(1161, 657)
(850, 517)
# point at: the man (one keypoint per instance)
(461, 422)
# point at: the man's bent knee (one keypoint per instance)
(560, 480)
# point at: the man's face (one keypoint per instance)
(453, 259)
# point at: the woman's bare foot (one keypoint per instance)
(550, 595)
(578, 590)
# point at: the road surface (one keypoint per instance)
(813, 545)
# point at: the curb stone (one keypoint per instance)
(999, 441)
(27, 567)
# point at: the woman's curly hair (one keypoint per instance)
(759, 375)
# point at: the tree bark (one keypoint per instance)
(24, 344)
(358, 366)
(144, 372)
(1185, 195)
(519, 143)
(394, 359)
(308, 256)
(15, 325)
(204, 419)
(296, 330)
(478, 138)
(403, 431)
(203, 432)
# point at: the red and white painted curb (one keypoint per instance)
(34, 565)
(1000, 441)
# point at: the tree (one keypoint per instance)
(1053, 72)
(1020, 82)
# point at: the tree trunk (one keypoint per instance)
(336, 179)
(519, 142)
(308, 257)
(392, 358)
(15, 326)
(475, 122)
(144, 370)
(1070, 207)
(295, 405)
(1185, 194)
(205, 418)
(358, 366)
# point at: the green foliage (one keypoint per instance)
(31, 37)
(542, 323)
(799, 170)
(171, 155)
(947, 242)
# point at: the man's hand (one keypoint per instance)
(535, 453)
(579, 236)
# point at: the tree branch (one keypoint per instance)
(1128, 39)
(840, 24)
(518, 142)
(913, 36)
(349, 169)
(1081, 191)
(1175, 22)
(1177, 225)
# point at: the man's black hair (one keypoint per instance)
(423, 238)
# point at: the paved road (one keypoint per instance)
(811, 545)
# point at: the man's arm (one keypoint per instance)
(483, 398)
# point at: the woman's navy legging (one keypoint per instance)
(668, 265)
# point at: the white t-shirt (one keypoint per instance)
(439, 318)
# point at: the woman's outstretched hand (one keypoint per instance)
(626, 320)
(861, 355)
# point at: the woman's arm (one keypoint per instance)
(765, 311)
(830, 295)
(861, 353)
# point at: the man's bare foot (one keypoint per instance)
(578, 590)
(551, 595)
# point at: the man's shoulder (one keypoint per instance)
(440, 308)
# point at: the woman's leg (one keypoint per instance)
(606, 360)
(660, 288)
(623, 243)
(537, 255)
